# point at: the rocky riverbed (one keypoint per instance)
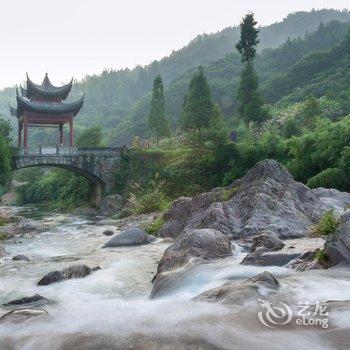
(236, 275)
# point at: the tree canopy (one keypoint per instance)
(157, 119)
(198, 105)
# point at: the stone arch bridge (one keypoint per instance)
(98, 164)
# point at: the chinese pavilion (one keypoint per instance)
(43, 105)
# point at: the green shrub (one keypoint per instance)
(2, 222)
(126, 212)
(152, 198)
(227, 193)
(327, 225)
(328, 178)
(155, 226)
(321, 256)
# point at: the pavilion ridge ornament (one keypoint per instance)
(43, 105)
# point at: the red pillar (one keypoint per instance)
(61, 135)
(71, 133)
(19, 134)
(25, 133)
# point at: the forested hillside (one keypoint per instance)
(118, 99)
(223, 76)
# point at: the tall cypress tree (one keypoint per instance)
(157, 119)
(251, 102)
(198, 106)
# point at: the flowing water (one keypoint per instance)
(111, 309)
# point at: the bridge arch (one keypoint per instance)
(98, 165)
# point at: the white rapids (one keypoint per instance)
(111, 309)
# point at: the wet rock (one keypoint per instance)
(199, 245)
(239, 292)
(206, 244)
(21, 315)
(337, 247)
(108, 233)
(266, 242)
(28, 225)
(306, 261)
(34, 299)
(271, 259)
(130, 237)
(266, 200)
(20, 257)
(73, 271)
(178, 216)
(111, 204)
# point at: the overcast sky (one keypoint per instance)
(77, 37)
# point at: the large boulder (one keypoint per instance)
(266, 200)
(130, 237)
(73, 271)
(337, 248)
(239, 292)
(111, 204)
(199, 245)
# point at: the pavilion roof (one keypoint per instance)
(46, 107)
(46, 88)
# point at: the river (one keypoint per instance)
(111, 309)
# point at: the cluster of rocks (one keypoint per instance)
(265, 207)
(266, 200)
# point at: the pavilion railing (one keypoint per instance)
(45, 151)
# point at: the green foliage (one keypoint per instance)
(251, 103)
(321, 256)
(228, 193)
(155, 226)
(158, 122)
(328, 178)
(291, 128)
(5, 154)
(152, 198)
(57, 187)
(327, 225)
(310, 110)
(91, 137)
(319, 73)
(249, 38)
(198, 105)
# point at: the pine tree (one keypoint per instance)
(251, 102)
(198, 105)
(249, 38)
(157, 119)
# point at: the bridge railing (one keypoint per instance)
(45, 151)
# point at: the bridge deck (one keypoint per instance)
(66, 151)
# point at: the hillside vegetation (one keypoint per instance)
(114, 99)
